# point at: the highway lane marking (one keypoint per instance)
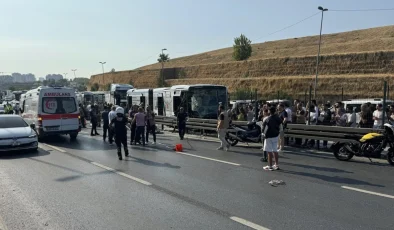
(248, 223)
(56, 148)
(207, 158)
(368, 192)
(192, 155)
(121, 173)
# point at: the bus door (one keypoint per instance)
(150, 98)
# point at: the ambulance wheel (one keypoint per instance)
(73, 136)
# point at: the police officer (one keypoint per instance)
(120, 130)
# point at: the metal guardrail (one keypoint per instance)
(315, 132)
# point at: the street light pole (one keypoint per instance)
(162, 67)
(318, 52)
(74, 73)
(102, 65)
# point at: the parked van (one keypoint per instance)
(53, 110)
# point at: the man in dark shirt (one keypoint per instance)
(272, 127)
(104, 116)
(181, 120)
(120, 130)
(93, 120)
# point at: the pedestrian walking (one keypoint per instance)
(181, 122)
(119, 125)
(271, 130)
(140, 121)
(93, 120)
(223, 123)
(150, 125)
(106, 122)
(111, 133)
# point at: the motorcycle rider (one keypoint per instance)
(223, 123)
(119, 123)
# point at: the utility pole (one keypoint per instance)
(102, 65)
(318, 52)
(162, 67)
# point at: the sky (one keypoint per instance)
(54, 36)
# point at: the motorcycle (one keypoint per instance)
(370, 145)
(252, 134)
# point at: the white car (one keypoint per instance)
(16, 134)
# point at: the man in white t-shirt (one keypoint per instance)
(378, 116)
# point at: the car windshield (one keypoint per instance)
(58, 105)
(12, 122)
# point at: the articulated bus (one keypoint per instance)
(200, 101)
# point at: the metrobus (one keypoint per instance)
(199, 101)
(118, 93)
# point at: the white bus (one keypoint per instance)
(199, 101)
(118, 93)
(53, 110)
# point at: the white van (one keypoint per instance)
(357, 103)
(53, 110)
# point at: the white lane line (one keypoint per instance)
(368, 192)
(56, 148)
(248, 223)
(2, 224)
(121, 173)
(207, 158)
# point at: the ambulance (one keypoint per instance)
(52, 110)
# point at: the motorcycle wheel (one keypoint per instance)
(342, 154)
(231, 141)
(390, 157)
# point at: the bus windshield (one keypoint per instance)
(205, 101)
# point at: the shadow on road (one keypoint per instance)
(69, 178)
(333, 179)
(23, 154)
(151, 163)
(317, 168)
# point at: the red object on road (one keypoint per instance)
(178, 148)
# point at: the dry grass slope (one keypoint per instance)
(359, 61)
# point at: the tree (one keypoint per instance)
(108, 87)
(163, 58)
(242, 48)
(131, 82)
(12, 88)
(113, 70)
(95, 87)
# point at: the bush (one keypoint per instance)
(242, 48)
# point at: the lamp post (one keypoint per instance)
(102, 65)
(318, 52)
(162, 67)
(74, 73)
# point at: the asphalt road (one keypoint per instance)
(82, 185)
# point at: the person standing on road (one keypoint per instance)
(133, 111)
(271, 130)
(223, 122)
(265, 116)
(181, 122)
(119, 123)
(284, 117)
(104, 116)
(111, 116)
(150, 124)
(93, 120)
(140, 120)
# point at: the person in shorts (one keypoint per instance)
(272, 127)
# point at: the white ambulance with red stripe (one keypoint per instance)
(53, 110)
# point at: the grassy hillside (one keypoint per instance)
(358, 41)
(358, 61)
